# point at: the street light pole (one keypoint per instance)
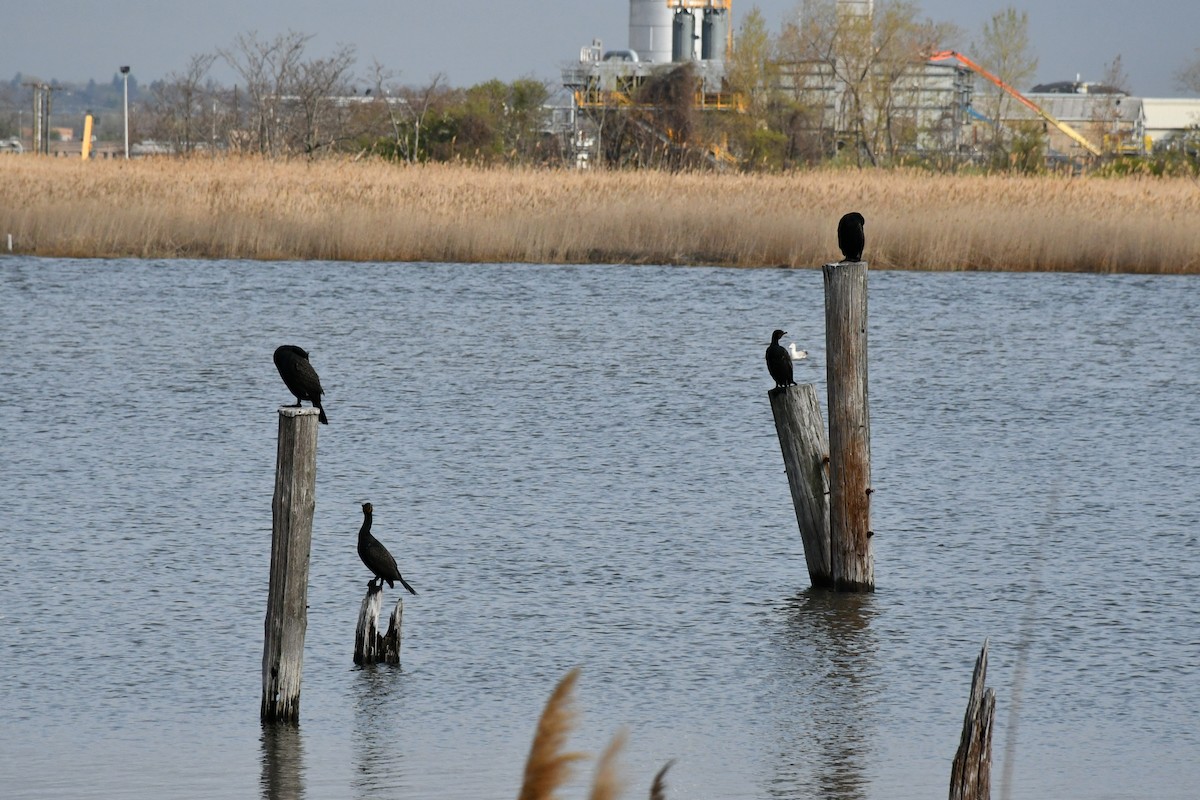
(125, 76)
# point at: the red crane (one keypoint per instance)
(1076, 136)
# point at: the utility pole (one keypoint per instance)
(35, 131)
(125, 77)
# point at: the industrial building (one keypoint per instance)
(663, 36)
(933, 107)
(928, 101)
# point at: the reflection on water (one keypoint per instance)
(378, 756)
(827, 653)
(282, 762)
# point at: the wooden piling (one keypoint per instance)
(852, 560)
(806, 458)
(971, 774)
(291, 535)
(371, 646)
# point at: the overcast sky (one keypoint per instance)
(470, 41)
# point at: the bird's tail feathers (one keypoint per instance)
(324, 419)
(404, 583)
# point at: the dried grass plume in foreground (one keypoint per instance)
(607, 783)
(549, 765)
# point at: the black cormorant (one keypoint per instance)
(376, 556)
(851, 238)
(779, 362)
(300, 377)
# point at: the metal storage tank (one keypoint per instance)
(683, 36)
(714, 33)
(650, 30)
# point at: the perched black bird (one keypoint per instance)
(851, 238)
(300, 377)
(376, 556)
(779, 362)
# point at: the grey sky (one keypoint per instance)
(471, 40)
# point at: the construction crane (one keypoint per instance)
(1076, 136)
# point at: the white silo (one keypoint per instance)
(650, 30)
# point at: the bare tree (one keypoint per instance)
(178, 104)
(390, 103)
(1187, 77)
(318, 117)
(267, 68)
(854, 63)
(1108, 123)
(419, 100)
(1005, 51)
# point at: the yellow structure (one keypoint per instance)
(86, 145)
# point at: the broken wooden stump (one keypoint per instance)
(801, 434)
(971, 774)
(371, 646)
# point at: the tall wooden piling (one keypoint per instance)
(291, 535)
(971, 773)
(806, 458)
(853, 562)
(371, 646)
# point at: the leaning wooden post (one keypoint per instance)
(806, 457)
(849, 426)
(971, 774)
(291, 535)
(371, 646)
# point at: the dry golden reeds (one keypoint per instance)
(607, 783)
(658, 789)
(375, 211)
(549, 765)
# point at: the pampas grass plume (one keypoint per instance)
(549, 766)
(607, 783)
(658, 790)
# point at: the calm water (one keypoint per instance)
(577, 466)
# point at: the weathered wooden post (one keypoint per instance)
(291, 536)
(806, 457)
(850, 532)
(971, 774)
(371, 646)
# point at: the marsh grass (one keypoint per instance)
(374, 211)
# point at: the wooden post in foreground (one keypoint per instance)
(849, 426)
(291, 535)
(371, 646)
(806, 457)
(971, 774)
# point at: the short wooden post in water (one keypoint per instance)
(371, 646)
(291, 536)
(806, 457)
(971, 774)
(850, 532)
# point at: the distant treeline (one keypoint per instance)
(286, 103)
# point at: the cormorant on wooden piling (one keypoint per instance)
(300, 377)
(376, 556)
(779, 362)
(851, 238)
